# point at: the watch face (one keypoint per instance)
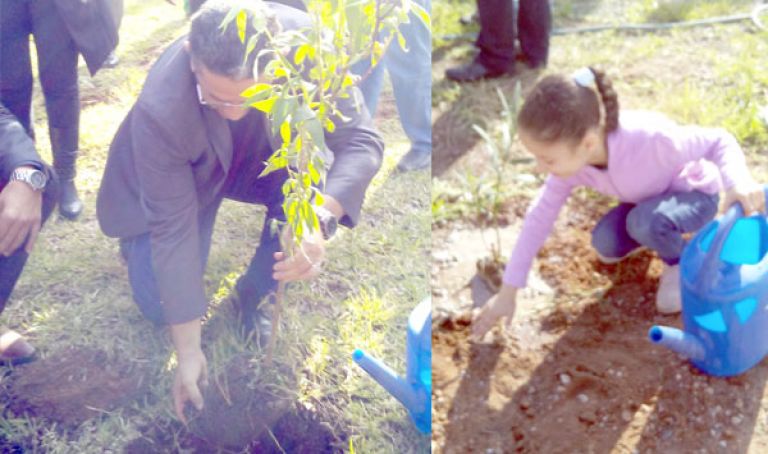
(37, 178)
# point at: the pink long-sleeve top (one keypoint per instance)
(648, 155)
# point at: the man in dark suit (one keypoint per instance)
(62, 29)
(28, 192)
(186, 144)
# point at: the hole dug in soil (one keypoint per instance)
(242, 416)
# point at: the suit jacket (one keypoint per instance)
(16, 147)
(93, 29)
(169, 160)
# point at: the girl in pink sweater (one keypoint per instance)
(667, 178)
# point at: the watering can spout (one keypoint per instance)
(388, 379)
(678, 341)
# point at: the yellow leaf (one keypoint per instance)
(301, 53)
(254, 90)
(242, 17)
(264, 105)
(285, 130)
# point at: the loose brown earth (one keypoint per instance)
(580, 374)
(241, 415)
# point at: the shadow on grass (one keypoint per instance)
(475, 103)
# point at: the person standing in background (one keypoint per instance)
(62, 29)
(496, 40)
(410, 72)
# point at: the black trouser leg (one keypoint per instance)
(15, 64)
(57, 61)
(496, 40)
(534, 22)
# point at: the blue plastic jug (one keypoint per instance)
(724, 284)
(415, 390)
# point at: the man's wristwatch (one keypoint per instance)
(328, 222)
(37, 179)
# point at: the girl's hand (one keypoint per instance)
(749, 194)
(500, 306)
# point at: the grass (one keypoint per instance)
(75, 293)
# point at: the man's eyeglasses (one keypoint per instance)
(215, 103)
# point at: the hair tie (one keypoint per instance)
(584, 77)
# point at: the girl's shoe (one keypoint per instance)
(668, 298)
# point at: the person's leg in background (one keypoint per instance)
(411, 75)
(534, 23)
(15, 63)
(116, 10)
(496, 43)
(57, 59)
(15, 349)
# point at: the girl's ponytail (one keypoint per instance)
(609, 99)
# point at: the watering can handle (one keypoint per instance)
(725, 224)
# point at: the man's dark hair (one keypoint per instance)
(221, 51)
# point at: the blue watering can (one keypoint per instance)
(724, 284)
(415, 390)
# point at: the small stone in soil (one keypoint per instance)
(626, 416)
(588, 417)
(583, 398)
(565, 379)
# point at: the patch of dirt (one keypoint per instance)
(581, 375)
(298, 430)
(72, 386)
(242, 415)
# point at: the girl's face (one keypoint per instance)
(562, 158)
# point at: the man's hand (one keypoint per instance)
(500, 306)
(20, 216)
(749, 194)
(305, 263)
(192, 368)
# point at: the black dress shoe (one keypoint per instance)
(472, 72)
(255, 322)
